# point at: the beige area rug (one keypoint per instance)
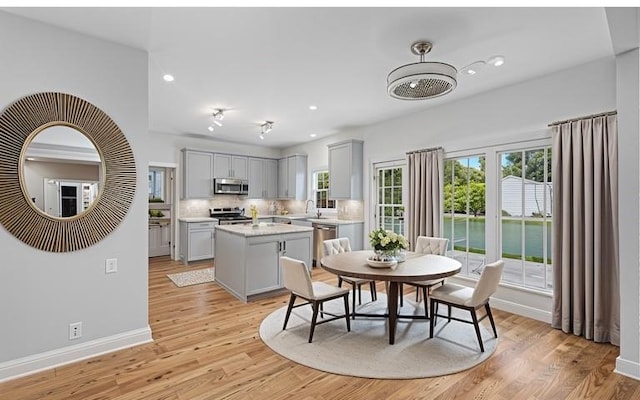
(194, 277)
(366, 352)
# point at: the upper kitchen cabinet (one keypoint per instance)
(345, 170)
(230, 166)
(197, 174)
(263, 178)
(292, 178)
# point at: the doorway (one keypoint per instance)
(162, 210)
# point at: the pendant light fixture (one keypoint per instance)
(421, 80)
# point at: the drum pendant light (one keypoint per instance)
(422, 80)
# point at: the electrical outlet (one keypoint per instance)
(75, 330)
(111, 266)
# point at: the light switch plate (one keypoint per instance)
(111, 266)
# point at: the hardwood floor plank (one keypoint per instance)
(207, 346)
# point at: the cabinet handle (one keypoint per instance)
(284, 249)
(279, 246)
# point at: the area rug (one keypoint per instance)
(366, 352)
(194, 277)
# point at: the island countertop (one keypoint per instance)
(263, 229)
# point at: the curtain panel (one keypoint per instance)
(424, 214)
(585, 229)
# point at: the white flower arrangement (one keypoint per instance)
(387, 241)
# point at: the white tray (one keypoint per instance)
(380, 264)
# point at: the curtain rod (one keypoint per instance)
(586, 117)
(421, 150)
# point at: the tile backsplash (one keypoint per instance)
(346, 209)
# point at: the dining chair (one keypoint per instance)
(342, 245)
(298, 280)
(427, 245)
(470, 299)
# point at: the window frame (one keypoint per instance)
(315, 190)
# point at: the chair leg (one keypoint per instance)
(314, 304)
(321, 310)
(372, 287)
(292, 300)
(339, 281)
(353, 302)
(432, 322)
(449, 313)
(401, 294)
(476, 325)
(359, 294)
(417, 294)
(346, 312)
(426, 302)
(490, 315)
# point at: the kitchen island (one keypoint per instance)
(247, 262)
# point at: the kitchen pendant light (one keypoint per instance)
(422, 80)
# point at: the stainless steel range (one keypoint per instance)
(229, 216)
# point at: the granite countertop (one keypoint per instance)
(263, 229)
(198, 219)
(310, 218)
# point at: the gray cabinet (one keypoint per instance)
(345, 170)
(159, 240)
(229, 166)
(263, 178)
(249, 266)
(196, 241)
(292, 177)
(355, 233)
(197, 181)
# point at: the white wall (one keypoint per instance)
(42, 292)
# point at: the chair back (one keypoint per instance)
(335, 246)
(431, 245)
(488, 283)
(296, 276)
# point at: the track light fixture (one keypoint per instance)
(265, 128)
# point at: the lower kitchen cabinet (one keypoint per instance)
(196, 241)
(249, 266)
(159, 240)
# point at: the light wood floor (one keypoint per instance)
(206, 346)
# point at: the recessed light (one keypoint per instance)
(168, 78)
(313, 108)
(473, 68)
(313, 135)
(496, 61)
(210, 128)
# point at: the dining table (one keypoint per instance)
(416, 267)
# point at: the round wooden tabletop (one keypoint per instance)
(417, 267)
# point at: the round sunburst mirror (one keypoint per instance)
(86, 175)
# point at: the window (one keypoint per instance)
(156, 184)
(525, 217)
(464, 211)
(497, 204)
(389, 206)
(321, 190)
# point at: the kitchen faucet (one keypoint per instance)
(306, 206)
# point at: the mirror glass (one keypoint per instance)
(62, 171)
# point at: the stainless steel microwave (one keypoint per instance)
(230, 186)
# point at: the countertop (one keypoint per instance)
(263, 229)
(198, 219)
(311, 218)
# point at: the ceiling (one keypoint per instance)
(271, 63)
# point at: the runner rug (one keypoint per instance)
(194, 277)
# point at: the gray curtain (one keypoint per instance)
(425, 194)
(586, 292)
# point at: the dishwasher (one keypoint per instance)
(321, 233)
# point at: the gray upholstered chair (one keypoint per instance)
(427, 245)
(298, 280)
(341, 245)
(470, 299)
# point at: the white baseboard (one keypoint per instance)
(519, 309)
(55, 358)
(627, 368)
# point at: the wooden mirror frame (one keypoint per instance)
(19, 123)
